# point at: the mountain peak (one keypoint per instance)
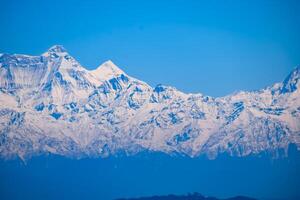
(57, 49)
(291, 83)
(111, 66)
(297, 70)
(107, 70)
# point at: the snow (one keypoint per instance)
(104, 111)
(106, 71)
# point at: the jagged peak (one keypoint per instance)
(107, 70)
(296, 71)
(57, 49)
(291, 83)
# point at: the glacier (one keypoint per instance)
(50, 104)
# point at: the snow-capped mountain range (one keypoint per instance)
(51, 104)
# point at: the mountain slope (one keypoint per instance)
(51, 104)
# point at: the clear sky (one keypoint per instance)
(212, 47)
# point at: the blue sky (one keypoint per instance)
(212, 47)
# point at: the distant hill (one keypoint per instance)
(194, 196)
